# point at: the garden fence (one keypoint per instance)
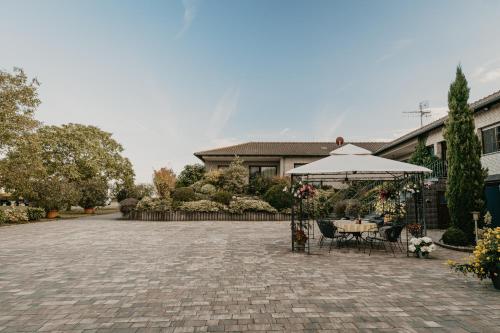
(205, 216)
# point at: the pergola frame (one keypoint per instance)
(356, 176)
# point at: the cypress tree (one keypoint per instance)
(464, 190)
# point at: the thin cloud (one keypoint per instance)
(190, 9)
(225, 108)
(395, 48)
(284, 131)
(488, 72)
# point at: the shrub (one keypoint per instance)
(208, 189)
(340, 208)
(127, 205)
(56, 194)
(16, 215)
(35, 213)
(234, 178)
(164, 182)
(135, 191)
(277, 198)
(321, 205)
(3, 218)
(190, 175)
(353, 208)
(213, 177)
(183, 194)
(222, 197)
(455, 236)
(201, 206)
(241, 205)
(93, 192)
(155, 204)
(259, 185)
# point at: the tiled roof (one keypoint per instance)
(284, 149)
(476, 106)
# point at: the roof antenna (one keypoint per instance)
(422, 111)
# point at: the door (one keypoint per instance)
(492, 192)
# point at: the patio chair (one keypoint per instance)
(388, 235)
(328, 230)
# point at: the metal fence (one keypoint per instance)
(205, 216)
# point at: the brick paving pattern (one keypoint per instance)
(105, 275)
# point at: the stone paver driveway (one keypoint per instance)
(104, 275)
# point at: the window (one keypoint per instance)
(296, 165)
(264, 171)
(491, 139)
(443, 150)
(430, 149)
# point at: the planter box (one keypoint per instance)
(205, 216)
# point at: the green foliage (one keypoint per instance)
(353, 208)
(190, 175)
(322, 204)
(340, 208)
(138, 191)
(208, 189)
(55, 194)
(154, 204)
(16, 215)
(201, 206)
(3, 218)
(235, 177)
(127, 205)
(464, 192)
(35, 213)
(183, 194)
(93, 192)
(241, 205)
(422, 156)
(222, 197)
(18, 102)
(278, 198)
(455, 236)
(259, 185)
(164, 182)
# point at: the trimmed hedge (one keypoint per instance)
(455, 236)
(35, 213)
(127, 205)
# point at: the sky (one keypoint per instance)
(169, 78)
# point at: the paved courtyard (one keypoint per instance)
(105, 275)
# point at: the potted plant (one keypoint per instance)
(93, 193)
(485, 261)
(421, 246)
(300, 239)
(54, 194)
(415, 229)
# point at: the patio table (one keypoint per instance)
(355, 229)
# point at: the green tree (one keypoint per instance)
(18, 101)
(422, 155)
(66, 156)
(464, 192)
(93, 192)
(190, 175)
(235, 177)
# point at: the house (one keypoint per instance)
(273, 158)
(487, 124)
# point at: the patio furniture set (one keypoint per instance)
(370, 231)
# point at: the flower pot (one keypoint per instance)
(421, 255)
(52, 214)
(89, 210)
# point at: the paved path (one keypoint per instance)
(105, 275)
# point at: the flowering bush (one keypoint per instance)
(414, 229)
(241, 205)
(3, 219)
(208, 189)
(158, 204)
(423, 245)
(35, 213)
(201, 206)
(485, 261)
(16, 215)
(390, 207)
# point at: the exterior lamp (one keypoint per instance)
(475, 217)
